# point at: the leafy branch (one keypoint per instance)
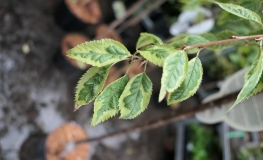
(180, 79)
(226, 41)
(173, 117)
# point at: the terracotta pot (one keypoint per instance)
(73, 15)
(58, 140)
(88, 11)
(69, 41)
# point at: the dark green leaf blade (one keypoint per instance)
(174, 72)
(191, 83)
(106, 104)
(187, 40)
(147, 39)
(99, 53)
(90, 85)
(156, 53)
(209, 36)
(225, 34)
(136, 96)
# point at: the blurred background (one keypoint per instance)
(37, 82)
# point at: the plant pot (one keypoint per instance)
(61, 143)
(73, 15)
(197, 141)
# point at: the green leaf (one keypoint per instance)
(90, 85)
(147, 39)
(156, 53)
(188, 40)
(192, 5)
(254, 5)
(226, 34)
(106, 104)
(250, 87)
(209, 36)
(240, 12)
(177, 38)
(258, 87)
(174, 72)
(227, 17)
(252, 68)
(99, 53)
(136, 96)
(191, 83)
(255, 32)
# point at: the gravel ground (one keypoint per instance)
(37, 97)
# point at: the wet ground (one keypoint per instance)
(36, 95)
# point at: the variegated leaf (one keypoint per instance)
(147, 39)
(136, 96)
(106, 104)
(99, 53)
(240, 12)
(90, 85)
(191, 83)
(156, 53)
(174, 72)
(249, 88)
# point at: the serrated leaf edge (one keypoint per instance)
(159, 63)
(193, 91)
(98, 41)
(150, 35)
(111, 112)
(143, 102)
(254, 14)
(250, 94)
(82, 81)
(164, 89)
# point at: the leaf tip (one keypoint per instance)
(93, 123)
(161, 94)
(232, 107)
(160, 99)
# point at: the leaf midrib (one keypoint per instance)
(189, 79)
(136, 95)
(170, 75)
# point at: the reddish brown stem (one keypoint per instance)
(174, 117)
(232, 39)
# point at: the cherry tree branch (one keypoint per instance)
(232, 39)
(174, 117)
